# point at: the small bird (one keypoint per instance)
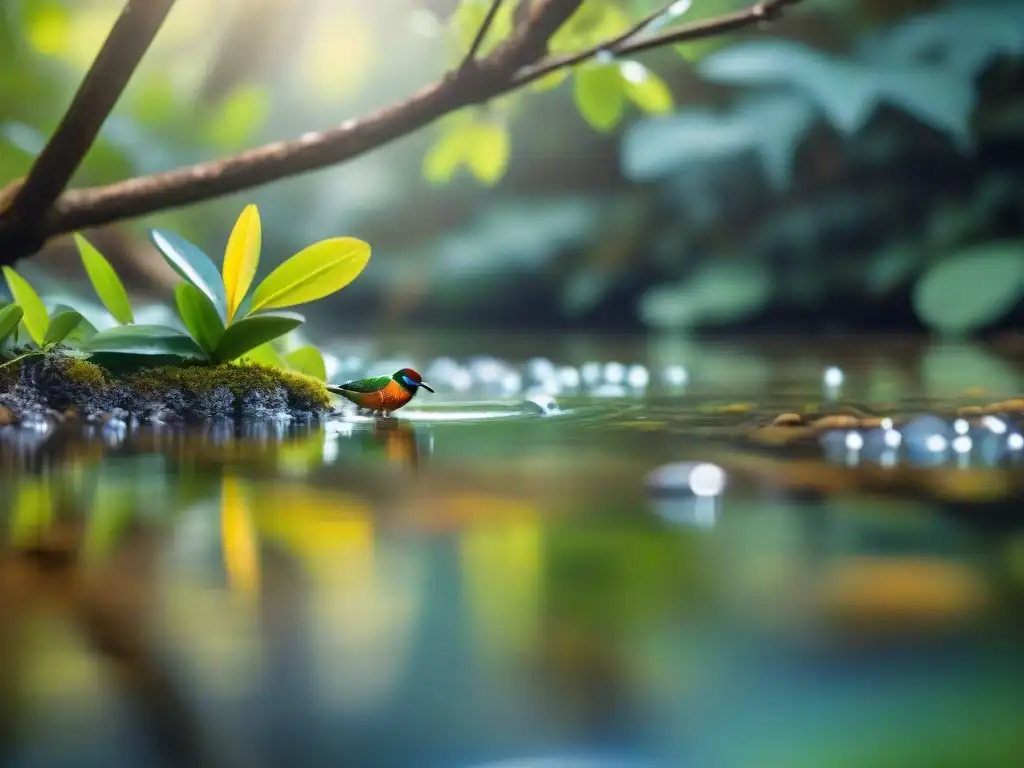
(382, 394)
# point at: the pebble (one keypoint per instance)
(7, 416)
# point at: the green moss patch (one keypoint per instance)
(188, 392)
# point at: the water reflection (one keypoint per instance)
(625, 583)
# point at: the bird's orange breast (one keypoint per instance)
(391, 398)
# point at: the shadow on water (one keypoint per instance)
(696, 568)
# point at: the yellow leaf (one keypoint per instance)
(241, 258)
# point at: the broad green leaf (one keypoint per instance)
(444, 157)
(82, 331)
(971, 289)
(10, 316)
(143, 340)
(250, 332)
(192, 264)
(308, 360)
(36, 318)
(199, 315)
(241, 257)
(597, 90)
(487, 151)
(266, 354)
(105, 281)
(61, 326)
(314, 272)
(645, 89)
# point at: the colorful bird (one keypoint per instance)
(382, 394)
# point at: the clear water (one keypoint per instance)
(496, 578)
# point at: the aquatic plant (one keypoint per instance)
(224, 317)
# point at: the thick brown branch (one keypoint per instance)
(518, 61)
(481, 33)
(103, 84)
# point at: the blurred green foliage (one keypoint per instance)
(722, 133)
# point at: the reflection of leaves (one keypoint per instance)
(241, 552)
(971, 289)
(32, 511)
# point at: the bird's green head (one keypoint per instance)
(410, 381)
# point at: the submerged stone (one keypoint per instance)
(56, 385)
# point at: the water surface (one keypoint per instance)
(495, 577)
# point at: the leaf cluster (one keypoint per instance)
(225, 317)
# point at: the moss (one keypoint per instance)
(302, 393)
(187, 392)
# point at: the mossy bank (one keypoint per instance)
(44, 386)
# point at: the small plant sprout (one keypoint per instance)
(28, 311)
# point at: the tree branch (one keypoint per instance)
(625, 44)
(481, 33)
(518, 61)
(103, 84)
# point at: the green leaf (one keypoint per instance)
(199, 315)
(444, 157)
(267, 354)
(192, 264)
(61, 326)
(470, 15)
(237, 117)
(314, 272)
(84, 330)
(105, 281)
(241, 257)
(597, 90)
(36, 318)
(550, 81)
(10, 316)
(308, 360)
(143, 340)
(971, 289)
(645, 89)
(250, 332)
(487, 151)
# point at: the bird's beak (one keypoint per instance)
(427, 387)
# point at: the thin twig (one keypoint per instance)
(481, 33)
(625, 45)
(103, 84)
